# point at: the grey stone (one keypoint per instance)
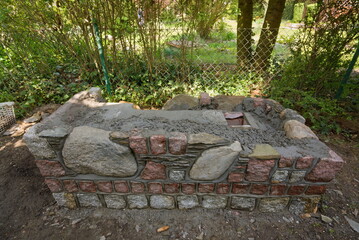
(213, 202)
(214, 117)
(264, 151)
(181, 102)
(89, 150)
(303, 205)
(227, 103)
(187, 202)
(177, 175)
(214, 162)
(243, 203)
(248, 104)
(290, 114)
(295, 129)
(326, 219)
(65, 200)
(88, 200)
(34, 118)
(39, 147)
(137, 201)
(205, 138)
(59, 132)
(162, 201)
(280, 176)
(297, 176)
(115, 201)
(273, 204)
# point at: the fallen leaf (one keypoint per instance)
(356, 212)
(162, 229)
(353, 224)
(305, 215)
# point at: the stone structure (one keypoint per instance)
(94, 154)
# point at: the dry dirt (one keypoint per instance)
(27, 209)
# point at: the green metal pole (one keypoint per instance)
(102, 55)
(347, 73)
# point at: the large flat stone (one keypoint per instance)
(38, 146)
(264, 151)
(227, 103)
(89, 150)
(205, 138)
(214, 162)
(162, 202)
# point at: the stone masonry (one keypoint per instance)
(86, 166)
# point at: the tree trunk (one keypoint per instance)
(268, 35)
(244, 33)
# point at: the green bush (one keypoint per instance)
(288, 10)
(298, 12)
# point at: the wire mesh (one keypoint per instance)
(7, 115)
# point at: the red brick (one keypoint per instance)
(259, 189)
(171, 187)
(138, 187)
(138, 144)
(154, 188)
(87, 186)
(304, 162)
(235, 177)
(278, 190)
(105, 186)
(54, 185)
(177, 143)
(158, 144)
(50, 168)
(238, 188)
(285, 162)
(258, 170)
(121, 186)
(296, 190)
(326, 168)
(314, 190)
(204, 99)
(223, 188)
(205, 187)
(154, 171)
(188, 188)
(70, 186)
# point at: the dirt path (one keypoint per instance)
(27, 210)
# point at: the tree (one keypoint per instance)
(269, 34)
(244, 33)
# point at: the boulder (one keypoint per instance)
(296, 129)
(181, 102)
(89, 150)
(227, 103)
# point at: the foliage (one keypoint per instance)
(299, 9)
(320, 112)
(289, 10)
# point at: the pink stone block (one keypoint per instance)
(172, 188)
(238, 188)
(259, 189)
(54, 185)
(314, 190)
(50, 168)
(87, 186)
(304, 162)
(138, 187)
(205, 187)
(222, 188)
(121, 186)
(104, 187)
(296, 190)
(326, 168)
(138, 144)
(204, 99)
(188, 188)
(70, 186)
(154, 188)
(235, 177)
(153, 171)
(158, 144)
(258, 170)
(278, 190)
(286, 162)
(177, 143)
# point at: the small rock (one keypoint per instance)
(326, 219)
(353, 224)
(252, 220)
(76, 221)
(137, 228)
(200, 236)
(102, 238)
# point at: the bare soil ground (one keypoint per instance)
(28, 211)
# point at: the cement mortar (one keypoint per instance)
(81, 111)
